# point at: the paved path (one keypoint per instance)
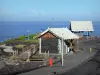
(70, 61)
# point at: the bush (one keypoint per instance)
(33, 36)
(21, 38)
(13, 42)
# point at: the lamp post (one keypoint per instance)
(28, 34)
(77, 44)
(78, 41)
(53, 21)
(87, 33)
(62, 52)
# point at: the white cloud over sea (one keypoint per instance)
(35, 15)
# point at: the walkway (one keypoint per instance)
(70, 61)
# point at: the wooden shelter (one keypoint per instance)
(52, 39)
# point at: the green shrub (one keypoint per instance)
(21, 38)
(33, 36)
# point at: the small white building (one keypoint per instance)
(52, 39)
(81, 26)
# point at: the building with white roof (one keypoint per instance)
(81, 26)
(51, 39)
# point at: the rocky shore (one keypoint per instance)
(19, 68)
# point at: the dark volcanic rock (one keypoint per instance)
(20, 68)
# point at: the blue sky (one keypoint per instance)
(45, 10)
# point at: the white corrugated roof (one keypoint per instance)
(64, 33)
(82, 26)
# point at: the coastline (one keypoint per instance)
(16, 29)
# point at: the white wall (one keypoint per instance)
(59, 45)
(39, 45)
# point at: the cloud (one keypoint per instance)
(34, 12)
(43, 13)
(31, 12)
(37, 13)
(6, 12)
(3, 11)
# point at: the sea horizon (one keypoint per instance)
(13, 29)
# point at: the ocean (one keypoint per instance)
(16, 29)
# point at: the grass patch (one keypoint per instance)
(20, 46)
(32, 41)
(31, 37)
(21, 38)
